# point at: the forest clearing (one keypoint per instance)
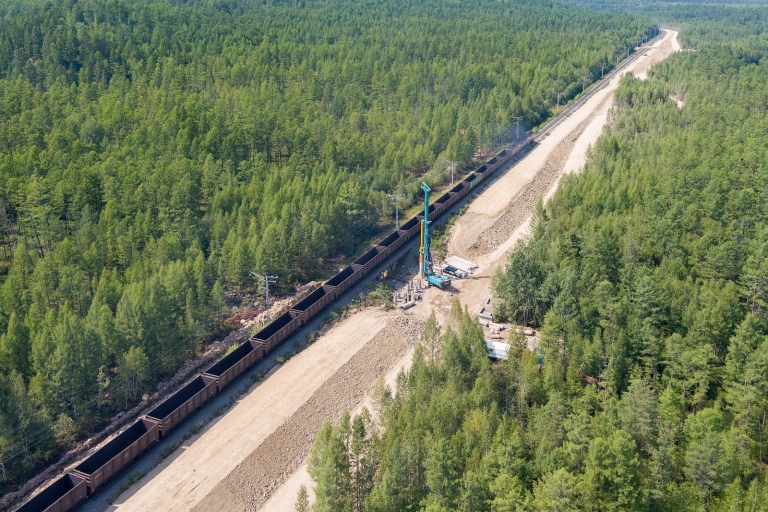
(587, 327)
(644, 279)
(178, 484)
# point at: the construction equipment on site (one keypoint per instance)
(453, 271)
(497, 350)
(425, 259)
(90, 474)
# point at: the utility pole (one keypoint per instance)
(583, 83)
(602, 70)
(396, 202)
(517, 124)
(557, 109)
(267, 280)
(451, 163)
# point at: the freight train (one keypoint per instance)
(87, 477)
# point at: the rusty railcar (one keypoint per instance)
(342, 280)
(279, 329)
(410, 228)
(61, 496)
(184, 402)
(393, 242)
(118, 453)
(229, 367)
(91, 474)
(315, 301)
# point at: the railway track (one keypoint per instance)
(160, 425)
(594, 88)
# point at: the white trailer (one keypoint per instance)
(497, 350)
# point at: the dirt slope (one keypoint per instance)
(185, 478)
(253, 456)
(500, 216)
(249, 485)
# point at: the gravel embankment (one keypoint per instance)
(254, 480)
(521, 205)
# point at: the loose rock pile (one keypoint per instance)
(277, 458)
(521, 206)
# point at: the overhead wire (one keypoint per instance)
(40, 435)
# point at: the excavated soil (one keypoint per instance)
(254, 480)
(494, 221)
(506, 206)
(523, 203)
(489, 227)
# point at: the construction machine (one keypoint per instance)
(426, 269)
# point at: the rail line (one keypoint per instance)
(594, 88)
(93, 472)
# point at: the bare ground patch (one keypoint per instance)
(254, 480)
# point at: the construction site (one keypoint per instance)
(248, 451)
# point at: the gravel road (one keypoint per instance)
(254, 480)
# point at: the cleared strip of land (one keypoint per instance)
(253, 456)
(503, 211)
(185, 478)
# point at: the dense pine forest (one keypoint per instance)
(702, 22)
(153, 153)
(647, 277)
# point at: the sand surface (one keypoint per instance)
(185, 478)
(254, 457)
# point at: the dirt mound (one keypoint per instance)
(522, 204)
(254, 480)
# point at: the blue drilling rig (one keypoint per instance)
(425, 259)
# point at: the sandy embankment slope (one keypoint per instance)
(212, 471)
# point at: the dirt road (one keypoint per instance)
(187, 477)
(500, 216)
(284, 497)
(254, 455)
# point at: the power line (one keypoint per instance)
(396, 198)
(517, 124)
(39, 435)
(267, 280)
(452, 163)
